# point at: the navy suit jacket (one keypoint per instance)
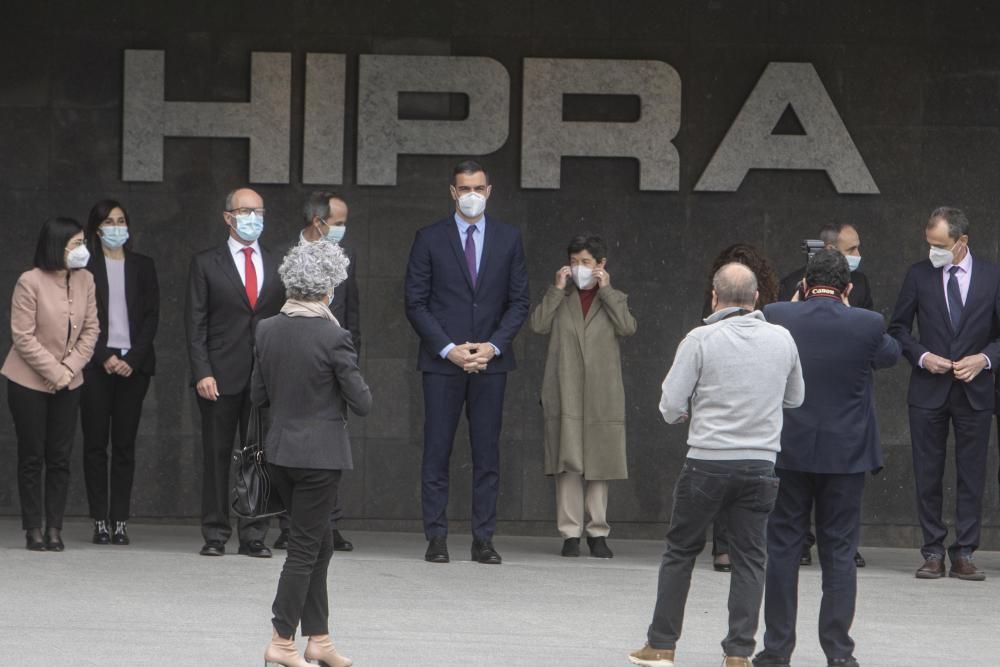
(442, 305)
(835, 430)
(922, 297)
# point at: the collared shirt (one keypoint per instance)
(478, 236)
(964, 277)
(239, 259)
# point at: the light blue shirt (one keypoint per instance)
(478, 237)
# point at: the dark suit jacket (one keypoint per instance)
(860, 296)
(835, 430)
(922, 297)
(307, 374)
(219, 321)
(142, 298)
(346, 306)
(443, 307)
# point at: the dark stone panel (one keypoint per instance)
(26, 149)
(387, 334)
(955, 166)
(883, 86)
(70, 15)
(393, 413)
(397, 220)
(582, 19)
(392, 478)
(89, 67)
(964, 93)
(659, 21)
(340, 17)
(430, 18)
(965, 21)
(78, 160)
(491, 19)
(19, 16)
(727, 21)
(510, 501)
(259, 16)
(24, 69)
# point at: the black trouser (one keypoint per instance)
(929, 436)
(837, 500)
(746, 491)
(335, 515)
(110, 408)
(44, 424)
(308, 496)
(220, 421)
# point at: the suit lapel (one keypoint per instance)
(488, 247)
(975, 277)
(225, 261)
(576, 316)
(595, 306)
(131, 281)
(451, 230)
(939, 298)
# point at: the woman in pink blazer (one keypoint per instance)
(53, 322)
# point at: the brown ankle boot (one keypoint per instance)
(281, 652)
(321, 649)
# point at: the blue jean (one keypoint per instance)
(746, 491)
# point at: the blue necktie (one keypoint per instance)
(955, 306)
(470, 253)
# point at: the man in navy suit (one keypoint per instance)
(827, 446)
(956, 301)
(466, 297)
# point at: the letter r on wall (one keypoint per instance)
(148, 118)
(547, 137)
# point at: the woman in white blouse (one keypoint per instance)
(117, 378)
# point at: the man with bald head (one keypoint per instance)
(731, 378)
(231, 287)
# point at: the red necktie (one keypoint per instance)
(250, 280)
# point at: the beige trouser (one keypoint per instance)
(571, 505)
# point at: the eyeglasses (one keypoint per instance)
(247, 211)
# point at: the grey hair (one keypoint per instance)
(318, 205)
(229, 199)
(958, 223)
(735, 284)
(310, 271)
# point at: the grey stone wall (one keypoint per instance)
(917, 85)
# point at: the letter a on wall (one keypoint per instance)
(751, 143)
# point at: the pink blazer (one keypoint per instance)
(53, 325)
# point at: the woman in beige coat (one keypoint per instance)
(583, 396)
(53, 323)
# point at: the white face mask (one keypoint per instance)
(249, 227)
(853, 262)
(583, 276)
(78, 257)
(472, 204)
(335, 234)
(940, 257)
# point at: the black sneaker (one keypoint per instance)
(120, 536)
(571, 547)
(101, 534)
(765, 659)
(843, 662)
(599, 548)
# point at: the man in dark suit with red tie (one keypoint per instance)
(955, 299)
(466, 297)
(230, 289)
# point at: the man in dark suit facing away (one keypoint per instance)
(231, 287)
(827, 446)
(466, 297)
(325, 216)
(955, 298)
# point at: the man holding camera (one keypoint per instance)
(827, 446)
(844, 238)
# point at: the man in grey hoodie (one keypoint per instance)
(732, 378)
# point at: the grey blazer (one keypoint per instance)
(307, 373)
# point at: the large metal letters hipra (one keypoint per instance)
(382, 135)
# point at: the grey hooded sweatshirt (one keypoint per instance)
(737, 372)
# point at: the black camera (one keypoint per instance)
(812, 246)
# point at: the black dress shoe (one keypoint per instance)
(101, 534)
(54, 544)
(765, 659)
(807, 557)
(599, 547)
(571, 547)
(213, 548)
(437, 550)
(843, 662)
(341, 543)
(282, 541)
(33, 543)
(255, 549)
(120, 536)
(720, 565)
(483, 552)
(859, 560)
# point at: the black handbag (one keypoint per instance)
(252, 496)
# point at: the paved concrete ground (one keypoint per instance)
(158, 603)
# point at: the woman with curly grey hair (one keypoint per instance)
(307, 374)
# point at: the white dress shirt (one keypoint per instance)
(236, 249)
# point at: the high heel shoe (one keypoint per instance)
(33, 539)
(281, 652)
(321, 651)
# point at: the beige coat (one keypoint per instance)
(583, 396)
(53, 325)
